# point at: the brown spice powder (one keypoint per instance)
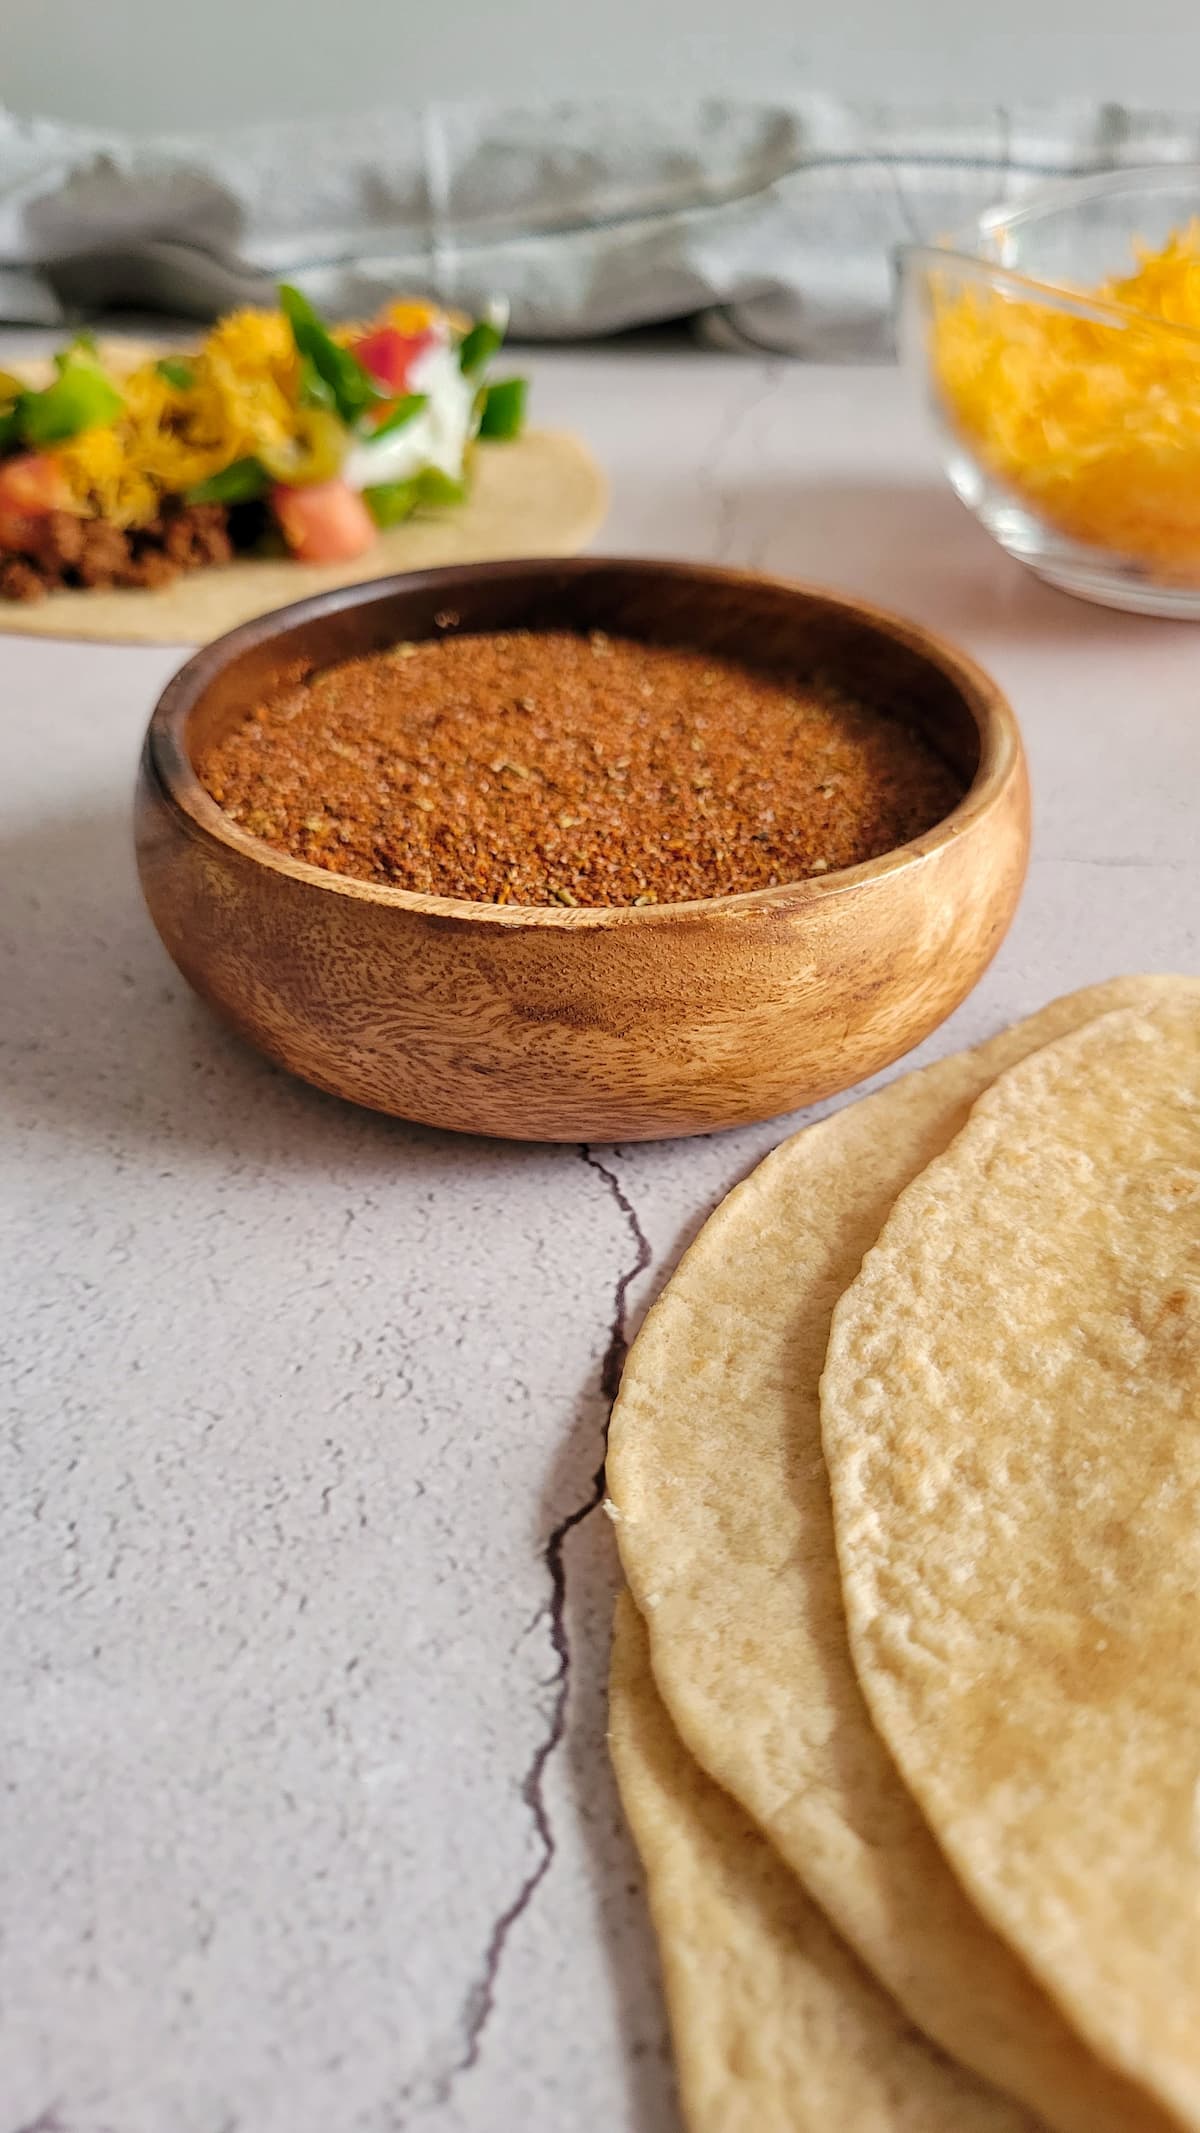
(550, 768)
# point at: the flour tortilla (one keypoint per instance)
(724, 1526)
(777, 2028)
(1012, 1421)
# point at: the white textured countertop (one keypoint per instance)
(307, 1825)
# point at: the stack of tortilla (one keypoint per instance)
(905, 1473)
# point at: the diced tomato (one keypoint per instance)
(32, 484)
(387, 355)
(327, 522)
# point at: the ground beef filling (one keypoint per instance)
(64, 550)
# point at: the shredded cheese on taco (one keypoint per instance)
(243, 396)
(276, 429)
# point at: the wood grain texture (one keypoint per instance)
(561, 1024)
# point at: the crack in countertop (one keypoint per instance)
(709, 476)
(480, 2000)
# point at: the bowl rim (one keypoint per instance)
(962, 248)
(166, 761)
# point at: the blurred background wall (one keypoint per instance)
(155, 64)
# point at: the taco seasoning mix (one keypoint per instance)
(539, 768)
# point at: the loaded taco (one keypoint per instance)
(276, 458)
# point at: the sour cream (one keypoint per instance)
(436, 437)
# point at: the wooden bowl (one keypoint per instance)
(569, 1023)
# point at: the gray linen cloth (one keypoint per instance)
(773, 224)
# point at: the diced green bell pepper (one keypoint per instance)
(408, 405)
(79, 398)
(435, 488)
(478, 347)
(351, 388)
(502, 408)
(393, 501)
(390, 502)
(241, 482)
(314, 392)
(176, 372)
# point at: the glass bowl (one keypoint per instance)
(1069, 421)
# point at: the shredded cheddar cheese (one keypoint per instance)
(410, 315)
(1094, 425)
(243, 397)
